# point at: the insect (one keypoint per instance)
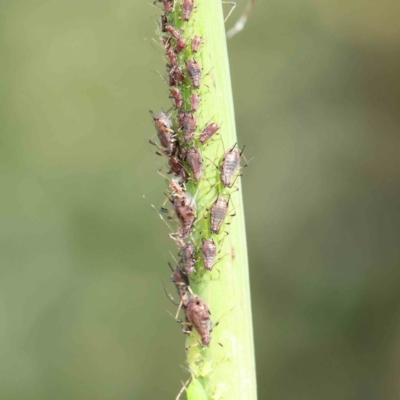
(181, 282)
(185, 208)
(171, 76)
(194, 101)
(218, 213)
(164, 22)
(209, 251)
(189, 124)
(194, 72)
(187, 9)
(165, 133)
(230, 165)
(177, 168)
(196, 42)
(188, 258)
(177, 75)
(172, 57)
(180, 45)
(198, 314)
(208, 132)
(233, 253)
(168, 5)
(173, 31)
(177, 96)
(195, 161)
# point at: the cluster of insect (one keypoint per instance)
(181, 142)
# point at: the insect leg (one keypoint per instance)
(233, 4)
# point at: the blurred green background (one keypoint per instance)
(83, 255)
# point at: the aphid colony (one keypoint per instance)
(181, 141)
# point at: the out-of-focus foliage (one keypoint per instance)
(83, 256)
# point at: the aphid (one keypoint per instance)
(209, 251)
(173, 60)
(173, 32)
(177, 74)
(199, 315)
(163, 124)
(196, 42)
(168, 5)
(218, 213)
(187, 9)
(177, 168)
(189, 124)
(194, 101)
(195, 161)
(229, 166)
(164, 22)
(188, 258)
(177, 96)
(233, 253)
(208, 132)
(181, 282)
(180, 45)
(185, 208)
(194, 72)
(171, 76)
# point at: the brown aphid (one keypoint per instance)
(218, 213)
(187, 9)
(186, 214)
(168, 5)
(177, 168)
(199, 315)
(210, 252)
(173, 60)
(196, 42)
(177, 96)
(233, 253)
(171, 77)
(177, 74)
(189, 125)
(173, 31)
(188, 258)
(194, 101)
(163, 124)
(180, 45)
(195, 162)
(185, 208)
(208, 132)
(181, 282)
(194, 72)
(229, 166)
(164, 22)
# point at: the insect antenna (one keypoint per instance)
(169, 295)
(160, 215)
(233, 4)
(183, 388)
(241, 22)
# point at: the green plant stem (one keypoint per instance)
(226, 372)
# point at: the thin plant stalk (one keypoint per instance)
(225, 369)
